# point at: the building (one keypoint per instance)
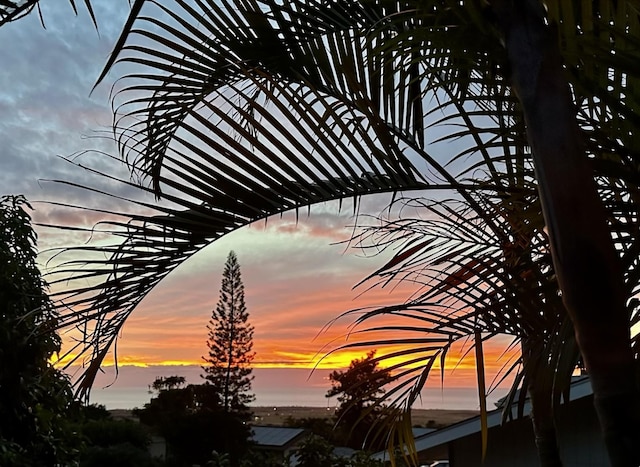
(277, 440)
(512, 444)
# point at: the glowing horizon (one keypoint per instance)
(460, 370)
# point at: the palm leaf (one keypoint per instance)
(12, 10)
(444, 254)
(236, 119)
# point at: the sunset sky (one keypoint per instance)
(298, 274)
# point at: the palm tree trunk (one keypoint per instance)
(540, 395)
(585, 260)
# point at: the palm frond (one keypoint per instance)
(239, 112)
(12, 10)
(469, 282)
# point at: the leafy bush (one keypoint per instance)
(34, 396)
(315, 452)
(121, 455)
(107, 433)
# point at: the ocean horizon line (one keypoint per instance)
(278, 387)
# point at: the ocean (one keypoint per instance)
(272, 387)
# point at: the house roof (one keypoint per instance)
(418, 432)
(580, 387)
(275, 436)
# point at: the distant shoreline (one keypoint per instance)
(419, 417)
(279, 415)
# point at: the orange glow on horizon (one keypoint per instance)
(458, 363)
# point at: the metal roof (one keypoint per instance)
(274, 436)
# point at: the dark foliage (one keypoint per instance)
(93, 412)
(318, 426)
(110, 442)
(260, 458)
(315, 452)
(34, 396)
(194, 425)
(171, 402)
(192, 438)
(168, 382)
(121, 455)
(105, 433)
(360, 394)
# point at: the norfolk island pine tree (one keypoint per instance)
(230, 343)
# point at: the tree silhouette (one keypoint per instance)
(167, 383)
(34, 396)
(193, 422)
(360, 393)
(230, 343)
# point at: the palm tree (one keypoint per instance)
(586, 263)
(471, 277)
(223, 84)
(475, 279)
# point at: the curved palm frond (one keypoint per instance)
(189, 57)
(600, 45)
(110, 280)
(235, 123)
(466, 279)
(13, 10)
